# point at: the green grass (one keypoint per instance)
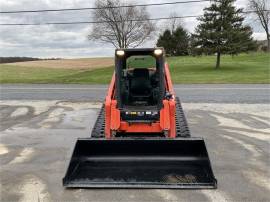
(16, 74)
(244, 68)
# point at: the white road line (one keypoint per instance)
(107, 88)
(2, 93)
(53, 88)
(222, 88)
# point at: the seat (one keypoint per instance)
(140, 83)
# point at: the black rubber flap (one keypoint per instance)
(138, 163)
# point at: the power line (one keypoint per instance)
(97, 22)
(107, 7)
(253, 11)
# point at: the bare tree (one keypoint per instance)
(174, 22)
(121, 26)
(170, 24)
(263, 14)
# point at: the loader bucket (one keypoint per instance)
(140, 163)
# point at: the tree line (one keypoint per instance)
(220, 30)
(22, 59)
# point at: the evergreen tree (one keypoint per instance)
(174, 42)
(180, 41)
(194, 50)
(166, 41)
(221, 30)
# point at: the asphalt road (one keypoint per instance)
(195, 93)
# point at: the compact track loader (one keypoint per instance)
(141, 138)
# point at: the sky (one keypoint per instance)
(70, 41)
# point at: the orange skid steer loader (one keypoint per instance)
(141, 138)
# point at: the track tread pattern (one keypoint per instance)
(98, 130)
(182, 129)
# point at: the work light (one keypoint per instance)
(158, 52)
(120, 53)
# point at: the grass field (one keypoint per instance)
(78, 64)
(244, 68)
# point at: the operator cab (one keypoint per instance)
(140, 83)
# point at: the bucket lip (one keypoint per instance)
(207, 185)
(67, 183)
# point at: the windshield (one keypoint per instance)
(143, 61)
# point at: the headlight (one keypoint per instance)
(158, 52)
(120, 53)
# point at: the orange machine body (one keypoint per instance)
(165, 124)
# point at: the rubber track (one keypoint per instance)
(182, 129)
(99, 128)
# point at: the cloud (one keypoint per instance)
(71, 40)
